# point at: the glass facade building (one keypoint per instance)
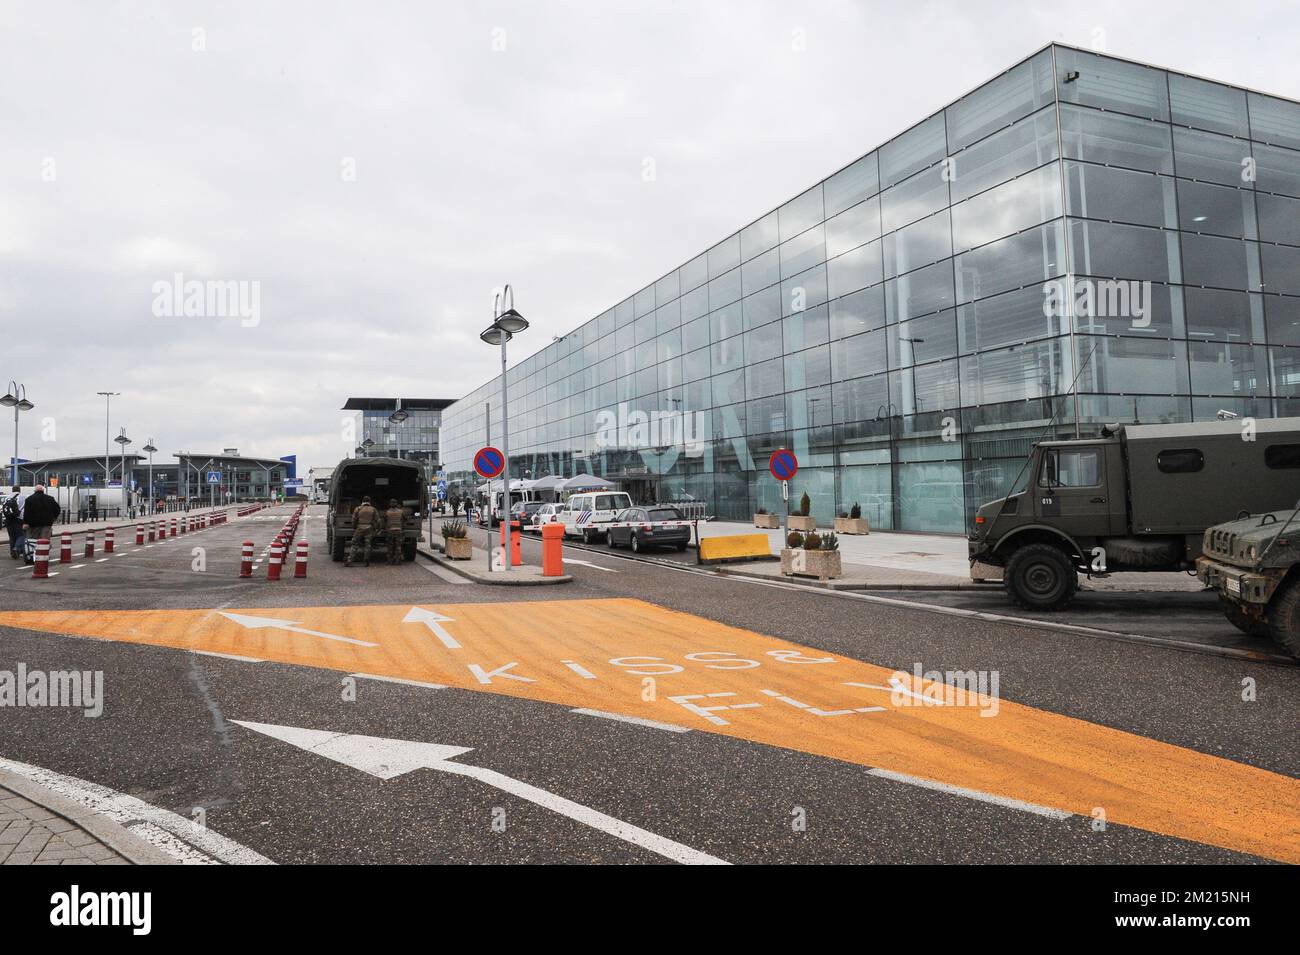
(398, 427)
(1081, 240)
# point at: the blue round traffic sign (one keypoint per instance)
(489, 462)
(783, 464)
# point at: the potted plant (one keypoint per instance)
(455, 541)
(765, 520)
(817, 557)
(800, 519)
(853, 522)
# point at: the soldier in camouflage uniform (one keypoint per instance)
(365, 521)
(393, 530)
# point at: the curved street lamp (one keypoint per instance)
(16, 397)
(150, 449)
(505, 326)
(122, 441)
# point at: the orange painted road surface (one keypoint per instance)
(636, 659)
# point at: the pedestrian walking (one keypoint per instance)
(12, 510)
(40, 511)
(365, 521)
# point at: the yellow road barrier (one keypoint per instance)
(715, 550)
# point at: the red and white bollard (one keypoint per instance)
(152, 531)
(90, 543)
(139, 534)
(172, 533)
(246, 560)
(273, 564)
(65, 548)
(108, 541)
(42, 566)
(183, 519)
(300, 565)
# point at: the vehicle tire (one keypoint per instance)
(337, 549)
(1283, 616)
(1133, 552)
(681, 546)
(609, 540)
(408, 550)
(1041, 577)
(1238, 618)
(634, 543)
(586, 537)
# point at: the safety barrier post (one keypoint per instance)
(42, 566)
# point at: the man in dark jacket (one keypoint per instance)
(12, 509)
(39, 514)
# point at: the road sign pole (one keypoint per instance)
(785, 525)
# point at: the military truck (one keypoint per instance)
(1254, 565)
(1135, 498)
(380, 479)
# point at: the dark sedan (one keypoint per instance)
(645, 531)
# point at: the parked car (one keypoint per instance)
(523, 512)
(585, 515)
(642, 527)
(546, 514)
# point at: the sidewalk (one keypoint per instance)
(887, 560)
(119, 522)
(40, 827)
(476, 569)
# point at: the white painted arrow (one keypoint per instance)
(387, 758)
(587, 563)
(433, 620)
(260, 623)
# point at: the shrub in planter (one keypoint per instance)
(761, 510)
(812, 542)
(794, 540)
(805, 505)
(830, 542)
(455, 541)
(454, 529)
(842, 515)
(853, 522)
(855, 511)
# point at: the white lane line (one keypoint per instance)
(1005, 801)
(76, 566)
(636, 720)
(398, 679)
(228, 656)
(587, 563)
(183, 840)
(100, 560)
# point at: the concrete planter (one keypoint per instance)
(804, 524)
(852, 525)
(459, 548)
(822, 564)
(767, 521)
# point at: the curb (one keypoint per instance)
(117, 838)
(499, 580)
(837, 585)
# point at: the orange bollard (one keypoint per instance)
(516, 558)
(552, 550)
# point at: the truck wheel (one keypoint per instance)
(337, 550)
(1283, 616)
(408, 550)
(1041, 577)
(1244, 623)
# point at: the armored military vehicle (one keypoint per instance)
(1135, 498)
(1254, 564)
(380, 479)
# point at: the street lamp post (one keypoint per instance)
(505, 325)
(150, 449)
(16, 398)
(122, 441)
(108, 397)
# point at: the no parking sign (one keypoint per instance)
(489, 462)
(783, 464)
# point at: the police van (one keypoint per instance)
(584, 514)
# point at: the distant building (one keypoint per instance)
(229, 477)
(397, 428)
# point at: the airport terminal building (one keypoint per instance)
(1081, 240)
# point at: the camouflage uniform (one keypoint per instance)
(365, 520)
(393, 531)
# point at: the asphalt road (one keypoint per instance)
(169, 733)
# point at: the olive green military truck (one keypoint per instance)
(1254, 565)
(1135, 498)
(380, 479)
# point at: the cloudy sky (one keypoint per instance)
(378, 168)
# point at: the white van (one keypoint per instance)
(584, 513)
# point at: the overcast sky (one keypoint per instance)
(378, 168)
